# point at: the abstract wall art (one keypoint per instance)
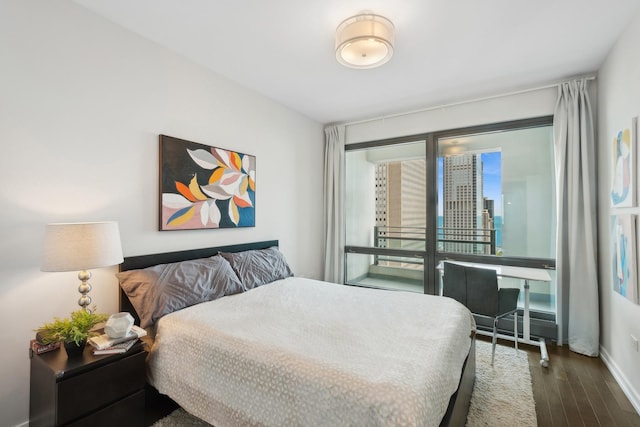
(623, 170)
(623, 256)
(204, 187)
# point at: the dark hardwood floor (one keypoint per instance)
(577, 390)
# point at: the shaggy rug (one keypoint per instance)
(502, 395)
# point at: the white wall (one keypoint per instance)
(618, 103)
(82, 102)
(504, 108)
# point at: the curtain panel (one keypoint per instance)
(334, 166)
(577, 263)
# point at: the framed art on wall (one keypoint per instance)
(205, 187)
(623, 169)
(623, 256)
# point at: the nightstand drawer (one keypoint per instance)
(84, 394)
(127, 412)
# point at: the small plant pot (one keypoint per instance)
(74, 350)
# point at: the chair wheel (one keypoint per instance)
(544, 363)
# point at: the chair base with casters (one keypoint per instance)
(477, 289)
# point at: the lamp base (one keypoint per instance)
(84, 289)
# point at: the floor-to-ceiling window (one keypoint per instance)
(482, 194)
(385, 203)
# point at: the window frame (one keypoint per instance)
(431, 256)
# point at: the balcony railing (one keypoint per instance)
(461, 240)
(474, 240)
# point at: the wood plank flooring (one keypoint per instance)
(577, 390)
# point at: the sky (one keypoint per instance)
(492, 178)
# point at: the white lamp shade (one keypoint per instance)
(81, 246)
(364, 41)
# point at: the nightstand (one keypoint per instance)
(87, 390)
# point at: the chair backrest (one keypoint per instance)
(454, 282)
(475, 288)
(482, 291)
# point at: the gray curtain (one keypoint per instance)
(577, 263)
(334, 204)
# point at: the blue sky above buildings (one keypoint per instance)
(492, 178)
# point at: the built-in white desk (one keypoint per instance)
(525, 274)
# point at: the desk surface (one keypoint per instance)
(525, 273)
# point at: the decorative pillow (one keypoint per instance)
(258, 267)
(165, 288)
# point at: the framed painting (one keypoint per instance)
(623, 256)
(205, 187)
(623, 169)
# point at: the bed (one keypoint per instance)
(295, 351)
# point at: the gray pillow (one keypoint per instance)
(259, 266)
(165, 288)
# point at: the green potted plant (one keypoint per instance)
(73, 331)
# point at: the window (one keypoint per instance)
(482, 194)
(386, 212)
(497, 193)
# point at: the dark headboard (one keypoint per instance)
(144, 261)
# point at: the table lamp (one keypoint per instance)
(80, 247)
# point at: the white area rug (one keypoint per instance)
(180, 418)
(502, 395)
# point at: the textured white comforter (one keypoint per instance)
(300, 352)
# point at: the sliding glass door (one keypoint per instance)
(483, 194)
(496, 201)
(386, 220)
(496, 193)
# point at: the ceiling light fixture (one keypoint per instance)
(364, 41)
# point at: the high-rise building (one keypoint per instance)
(488, 227)
(463, 203)
(401, 201)
(400, 204)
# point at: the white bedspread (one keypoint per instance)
(300, 352)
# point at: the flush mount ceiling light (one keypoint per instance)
(364, 41)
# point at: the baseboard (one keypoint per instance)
(626, 387)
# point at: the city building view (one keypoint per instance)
(493, 194)
(466, 223)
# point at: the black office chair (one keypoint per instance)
(477, 289)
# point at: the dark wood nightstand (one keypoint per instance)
(88, 390)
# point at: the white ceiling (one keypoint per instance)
(446, 50)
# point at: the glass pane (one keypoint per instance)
(542, 295)
(496, 193)
(386, 272)
(385, 200)
(385, 205)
